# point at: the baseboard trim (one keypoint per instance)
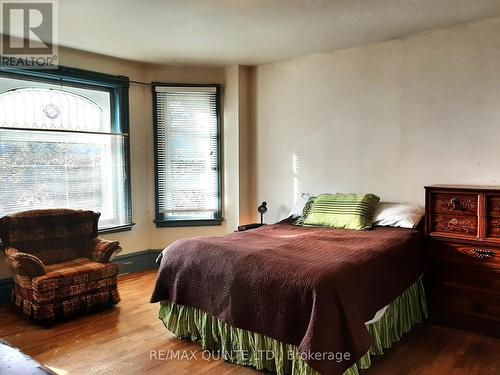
(137, 262)
(129, 263)
(6, 286)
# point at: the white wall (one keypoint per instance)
(386, 118)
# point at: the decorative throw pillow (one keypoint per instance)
(344, 211)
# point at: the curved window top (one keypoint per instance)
(43, 108)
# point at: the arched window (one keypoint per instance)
(43, 108)
(59, 150)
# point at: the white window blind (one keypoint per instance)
(187, 149)
(59, 150)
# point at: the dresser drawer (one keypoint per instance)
(493, 227)
(467, 278)
(493, 205)
(483, 305)
(476, 257)
(455, 203)
(454, 223)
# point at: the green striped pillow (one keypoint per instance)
(345, 211)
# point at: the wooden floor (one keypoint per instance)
(120, 341)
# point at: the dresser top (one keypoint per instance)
(463, 187)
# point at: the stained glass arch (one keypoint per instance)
(47, 108)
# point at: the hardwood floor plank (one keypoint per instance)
(119, 341)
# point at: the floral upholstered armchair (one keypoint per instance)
(61, 267)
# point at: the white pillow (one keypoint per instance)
(297, 209)
(404, 215)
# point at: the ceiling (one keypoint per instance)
(249, 32)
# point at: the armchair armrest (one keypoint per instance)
(24, 264)
(103, 251)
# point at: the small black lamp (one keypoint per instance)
(262, 210)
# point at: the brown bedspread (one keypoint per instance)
(309, 287)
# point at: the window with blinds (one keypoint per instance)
(187, 142)
(63, 146)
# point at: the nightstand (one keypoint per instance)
(245, 227)
(463, 226)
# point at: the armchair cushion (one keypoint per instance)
(24, 264)
(72, 273)
(103, 251)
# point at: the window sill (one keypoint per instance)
(187, 223)
(121, 228)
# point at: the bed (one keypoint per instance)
(292, 299)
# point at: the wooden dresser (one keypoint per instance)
(463, 226)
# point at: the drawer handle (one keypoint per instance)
(483, 254)
(454, 204)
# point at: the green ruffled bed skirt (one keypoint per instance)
(264, 353)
